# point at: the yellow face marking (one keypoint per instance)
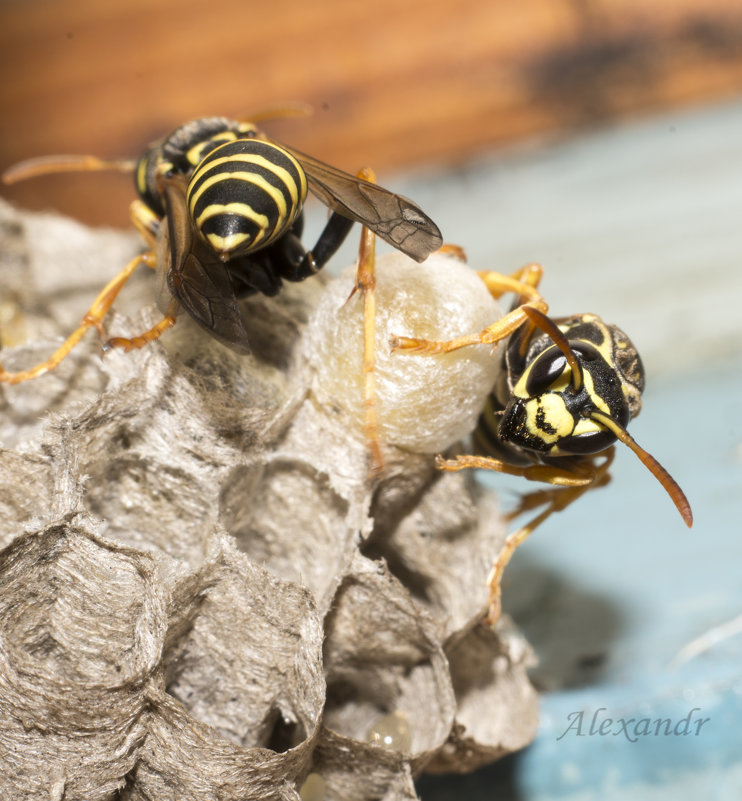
(597, 401)
(549, 412)
(587, 426)
(547, 416)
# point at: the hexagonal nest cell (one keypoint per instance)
(204, 592)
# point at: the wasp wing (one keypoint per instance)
(394, 218)
(195, 278)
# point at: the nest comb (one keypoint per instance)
(203, 596)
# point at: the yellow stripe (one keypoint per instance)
(248, 177)
(226, 244)
(594, 397)
(142, 176)
(260, 161)
(229, 243)
(300, 172)
(606, 346)
(194, 156)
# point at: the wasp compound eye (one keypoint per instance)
(545, 371)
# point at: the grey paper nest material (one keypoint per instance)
(202, 594)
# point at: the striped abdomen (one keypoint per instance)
(244, 195)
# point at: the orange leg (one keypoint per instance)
(146, 224)
(455, 251)
(571, 483)
(93, 318)
(133, 343)
(366, 284)
(522, 282)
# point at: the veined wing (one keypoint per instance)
(196, 278)
(397, 220)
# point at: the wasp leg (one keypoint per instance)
(93, 318)
(570, 484)
(139, 341)
(366, 283)
(147, 223)
(523, 283)
(333, 235)
(549, 474)
(455, 251)
(491, 335)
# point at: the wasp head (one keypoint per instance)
(553, 403)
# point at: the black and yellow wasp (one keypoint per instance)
(567, 389)
(220, 208)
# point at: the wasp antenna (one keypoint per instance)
(658, 471)
(295, 108)
(549, 327)
(46, 165)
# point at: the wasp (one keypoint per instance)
(567, 389)
(220, 209)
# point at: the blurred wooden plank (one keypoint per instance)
(394, 84)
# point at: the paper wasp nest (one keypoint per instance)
(203, 595)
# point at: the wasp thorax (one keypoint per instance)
(244, 195)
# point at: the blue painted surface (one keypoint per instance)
(665, 587)
(612, 590)
(610, 606)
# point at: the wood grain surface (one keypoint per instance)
(394, 85)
